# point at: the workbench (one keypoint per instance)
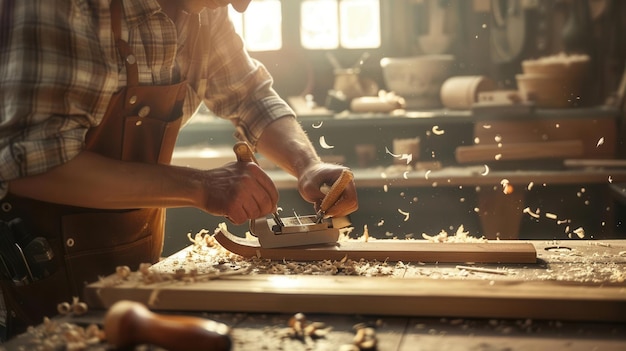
(573, 298)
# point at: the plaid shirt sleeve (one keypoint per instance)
(232, 84)
(58, 70)
(48, 96)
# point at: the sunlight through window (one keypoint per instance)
(324, 24)
(260, 25)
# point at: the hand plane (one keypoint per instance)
(278, 232)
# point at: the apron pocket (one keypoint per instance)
(86, 267)
(97, 242)
(32, 302)
(149, 140)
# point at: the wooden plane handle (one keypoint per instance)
(129, 323)
(336, 190)
(244, 152)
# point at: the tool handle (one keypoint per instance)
(244, 152)
(129, 323)
(336, 190)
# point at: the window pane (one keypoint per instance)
(319, 20)
(360, 24)
(260, 26)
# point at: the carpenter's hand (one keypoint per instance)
(319, 174)
(239, 191)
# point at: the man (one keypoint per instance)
(92, 96)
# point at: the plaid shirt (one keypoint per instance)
(59, 68)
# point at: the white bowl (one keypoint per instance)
(417, 79)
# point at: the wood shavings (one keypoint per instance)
(531, 213)
(407, 157)
(54, 335)
(486, 171)
(405, 214)
(461, 236)
(580, 232)
(507, 188)
(302, 329)
(324, 144)
(437, 131)
(551, 215)
(365, 338)
(483, 270)
(77, 307)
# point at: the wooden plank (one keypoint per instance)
(519, 151)
(376, 296)
(598, 134)
(387, 250)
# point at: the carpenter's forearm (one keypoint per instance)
(94, 181)
(285, 143)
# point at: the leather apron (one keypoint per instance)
(141, 124)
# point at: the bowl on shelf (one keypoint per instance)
(553, 81)
(418, 79)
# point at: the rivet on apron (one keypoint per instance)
(144, 111)
(69, 242)
(131, 59)
(133, 99)
(6, 207)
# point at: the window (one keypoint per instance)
(260, 26)
(323, 24)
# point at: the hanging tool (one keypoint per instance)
(300, 230)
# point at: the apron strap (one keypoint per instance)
(130, 61)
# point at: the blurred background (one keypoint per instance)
(503, 117)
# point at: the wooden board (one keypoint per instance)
(597, 134)
(387, 250)
(572, 280)
(519, 151)
(377, 296)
